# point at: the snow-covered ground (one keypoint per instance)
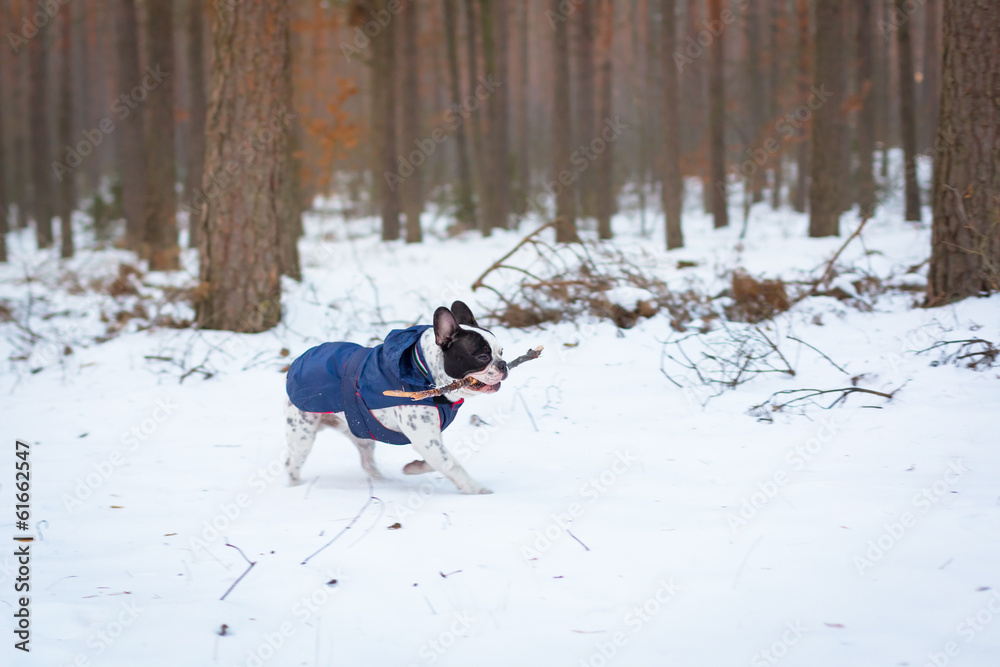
(633, 523)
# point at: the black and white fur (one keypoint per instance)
(454, 348)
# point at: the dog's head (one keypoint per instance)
(469, 350)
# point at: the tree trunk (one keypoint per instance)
(866, 116)
(755, 81)
(41, 173)
(196, 117)
(488, 161)
(965, 245)
(907, 112)
(604, 179)
(161, 164)
(466, 213)
(243, 223)
(932, 71)
(384, 110)
(64, 130)
(673, 184)
(562, 138)
(524, 144)
(411, 190)
(801, 192)
(716, 119)
(131, 141)
(583, 17)
(4, 204)
(500, 116)
(824, 189)
(479, 158)
(775, 45)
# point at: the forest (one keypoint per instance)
(750, 248)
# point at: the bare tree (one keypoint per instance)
(384, 124)
(196, 114)
(524, 144)
(41, 173)
(245, 221)
(562, 136)
(965, 244)
(466, 213)
(866, 118)
(756, 90)
(474, 121)
(604, 179)
(716, 120)
(160, 247)
(824, 189)
(800, 195)
(673, 184)
(131, 139)
(931, 89)
(411, 189)
(907, 113)
(66, 201)
(583, 18)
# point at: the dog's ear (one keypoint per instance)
(445, 326)
(463, 314)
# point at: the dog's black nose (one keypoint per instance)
(502, 367)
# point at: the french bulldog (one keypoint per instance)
(340, 385)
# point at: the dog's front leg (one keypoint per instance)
(422, 426)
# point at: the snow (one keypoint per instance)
(633, 522)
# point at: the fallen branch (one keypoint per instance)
(833, 260)
(459, 384)
(371, 497)
(808, 394)
(245, 572)
(497, 264)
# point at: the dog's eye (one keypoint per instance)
(485, 358)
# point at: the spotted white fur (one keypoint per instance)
(419, 423)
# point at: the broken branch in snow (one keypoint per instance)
(986, 355)
(828, 271)
(371, 497)
(808, 394)
(245, 572)
(458, 384)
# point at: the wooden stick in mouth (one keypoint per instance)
(459, 384)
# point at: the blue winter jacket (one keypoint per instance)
(349, 378)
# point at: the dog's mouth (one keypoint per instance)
(482, 387)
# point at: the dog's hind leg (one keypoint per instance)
(366, 448)
(300, 434)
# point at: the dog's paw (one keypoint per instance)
(477, 491)
(417, 467)
(294, 480)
